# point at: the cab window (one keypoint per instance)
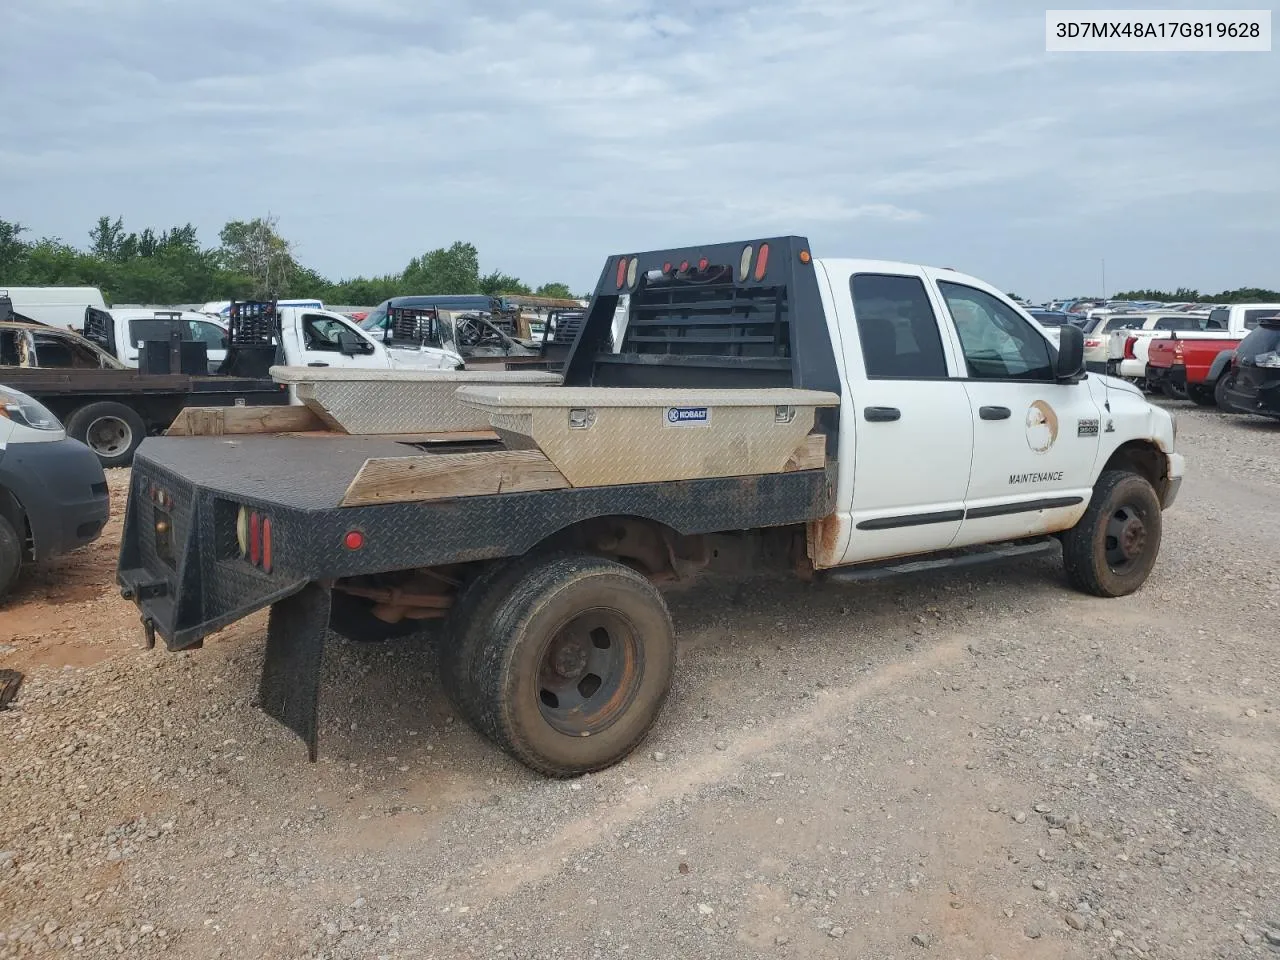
(209, 333)
(998, 343)
(897, 328)
(1218, 319)
(56, 352)
(322, 333)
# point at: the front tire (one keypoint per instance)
(10, 557)
(111, 430)
(1111, 550)
(574, 666)
(1220, 392)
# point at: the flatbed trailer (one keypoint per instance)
(715, 403)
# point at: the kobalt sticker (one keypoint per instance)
(688, 416)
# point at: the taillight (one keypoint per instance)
(1092, 344)
(762, 261)
(744, 264)
(1177, 352)
(1128, 348)
(253, 537)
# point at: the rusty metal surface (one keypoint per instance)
(609, 436)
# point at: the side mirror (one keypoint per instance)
(350, 345)
(1070, 367)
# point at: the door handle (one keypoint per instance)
(994, 413)
(881, 414)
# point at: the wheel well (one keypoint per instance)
(650, 546)
(11, 509)
(1145, 459)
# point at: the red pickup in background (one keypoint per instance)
(1181, 367)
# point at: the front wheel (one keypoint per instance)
(1111, 550)
(1220, 392)
(574, 665)
(10, 556)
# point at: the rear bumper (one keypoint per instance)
(1177, 376)
(1263, 400)
(62, 491)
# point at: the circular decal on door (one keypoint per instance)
(1042, 426)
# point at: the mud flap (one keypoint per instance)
(290, 687)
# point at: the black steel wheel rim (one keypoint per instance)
(1125, 539)
(589, 672)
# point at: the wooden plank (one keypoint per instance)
(411, 479)
(220, 421)
(810, 455)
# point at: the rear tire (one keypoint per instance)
(111, 430)
(1200, 395)
(10, 557)
(1111, 550)
(574, 666)
(1173, 391)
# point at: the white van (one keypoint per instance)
(57, 306)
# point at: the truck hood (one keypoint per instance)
(1115, 383)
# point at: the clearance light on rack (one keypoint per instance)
(622, 271)
(744, 263)
(762, 262)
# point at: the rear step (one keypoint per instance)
(946, 560)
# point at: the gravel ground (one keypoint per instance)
(962, 766)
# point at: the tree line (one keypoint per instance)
(1187, 295)
(251, 260)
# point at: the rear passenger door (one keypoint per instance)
(1034, 439)
(912, 434)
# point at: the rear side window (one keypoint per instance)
(1218, 319)
(1251, 317)
(1261, 340)
(897, 327)
(998, 343)
(1178, 323)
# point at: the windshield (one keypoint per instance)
(1265, 338)
(377, 318)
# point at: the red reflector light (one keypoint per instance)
(762, 261)
(622, 272)
(354, 539)
(255, 538)
(704, 263)
(266, 544)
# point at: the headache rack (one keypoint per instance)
(253, 339)
(745, 314)
(412, 326)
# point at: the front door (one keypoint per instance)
(905, 420)
(321, 334)
(1034, 439)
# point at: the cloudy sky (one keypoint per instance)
(937, 132)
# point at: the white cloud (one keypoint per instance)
(550, 137)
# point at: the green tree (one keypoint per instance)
(255, 250)
(13, 251)
(560, 290)
(498, 283)
(455, 269)
(107, 238)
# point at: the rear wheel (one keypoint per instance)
(1174, 391)
(573, 665)
(10, 556)
(111, 430)
(1201, 395)
(1111, 551)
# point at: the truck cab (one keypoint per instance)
(122, 331)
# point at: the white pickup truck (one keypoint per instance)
(309, 337)
(729, 406)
